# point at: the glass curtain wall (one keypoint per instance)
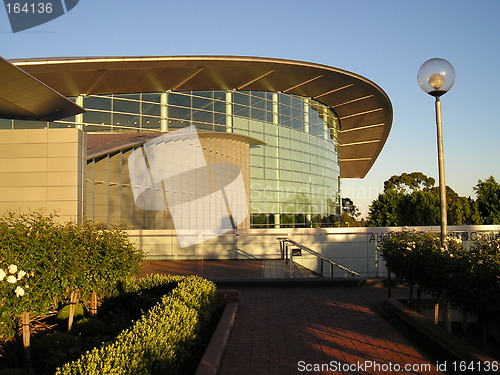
(294, 177)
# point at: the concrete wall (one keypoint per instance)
(355, 248)
(43, 169)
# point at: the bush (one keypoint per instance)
(54, 261)
(63, 314)
(470, 278)
(160, 341)
(90, 327)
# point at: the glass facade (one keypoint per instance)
(294, 177)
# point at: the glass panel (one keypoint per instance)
(298, 113)
(6, 124)
(151, 97)
(242, 111)
(177, 124)
(285, 142)
(127, 97)
(93, 102)
(203, 126)
(259, 106)
(257, 127)
(219, 107)
(179, 113)
(317, 131)
(203, 116)
(21, 124)
(241, 98)
(297, 124)
(256, 172)
(179, 100)
(220, 119)
(297, 102)
(259, 114)
(270, 139)
(126, 120)
(285, 121)
(151, 122)
(256, 160)
(219, 95)
(219, 128)
(61, 124)
(93, 117)
(241, 104)
(150, 109)
(68, 119)
(204, 104)
(285, 100)
(206, 94)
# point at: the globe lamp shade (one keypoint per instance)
(436, 77)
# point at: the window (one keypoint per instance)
(97, 102)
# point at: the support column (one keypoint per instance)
(164, 112)
(277, 216)
(277, 220)
(229, 111)
(79, 117)
(306, 115)
(326, 130)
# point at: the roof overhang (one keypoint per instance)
(364, 109)
(23, 97)
(102, 143)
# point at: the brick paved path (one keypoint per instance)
(228, 269)
(209, 269)
(275, 328)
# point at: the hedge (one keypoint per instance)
(161, 339)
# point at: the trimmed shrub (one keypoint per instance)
(160, 341)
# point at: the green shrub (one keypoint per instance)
(469, 278)
(56, 260)
(160, 341)
(90, 327)
(63, 314)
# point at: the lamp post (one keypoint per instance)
(436, 77)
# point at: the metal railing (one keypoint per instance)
(286, 251)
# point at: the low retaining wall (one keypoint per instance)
(355, 248)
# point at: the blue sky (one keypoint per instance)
(384, 40)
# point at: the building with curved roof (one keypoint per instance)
(294, 129)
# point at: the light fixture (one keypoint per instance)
(436, 77)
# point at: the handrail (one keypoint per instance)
(284, 240)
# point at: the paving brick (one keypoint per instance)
(276, 327)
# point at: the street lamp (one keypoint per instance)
(436, 77)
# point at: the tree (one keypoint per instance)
(412, 199)
(409, 182)
(350, 212)
(488, 200)
(463, 211)
(383, 212)
(421, 207)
